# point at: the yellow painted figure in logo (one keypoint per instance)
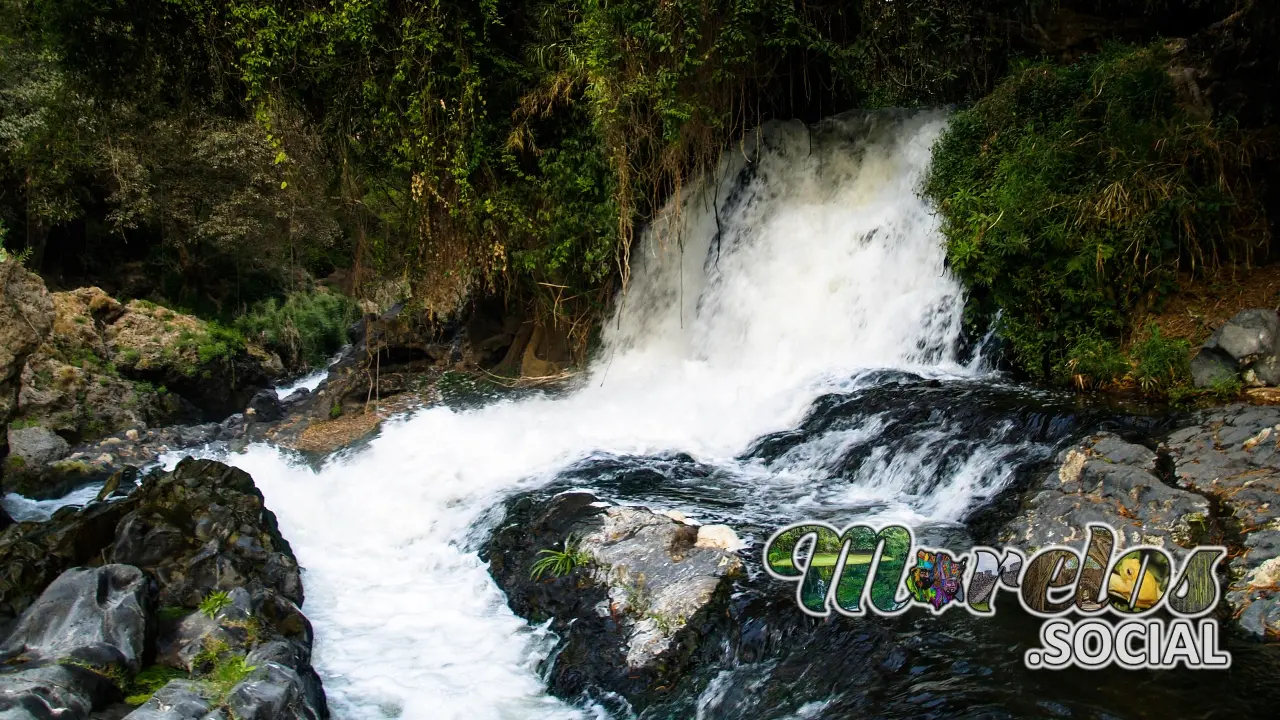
(1125, 575)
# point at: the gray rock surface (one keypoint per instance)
(1211, 367)
(1246, 346)
(97, 615)
(1232, 454)
(1248, 335)
(179, 700)
(642, 593)
(37, 446)
(59, 657)
(656, 574)
(273, 691)
(1105, 479)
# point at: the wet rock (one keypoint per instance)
(232, 428)
(1232, 454)
(62, 653)
(295, 398)
(33, 554)
(274, 691)
(640, 597)
(178, 700)
(51, 692)
(1105, 479)
(93, 615)
(198, 536)
(203, 527)
(265, 406)
(1210, 368)
(26, 317)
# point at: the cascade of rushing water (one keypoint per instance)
(786, 279)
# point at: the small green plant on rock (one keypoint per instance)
(560, 562)
(638, 597)
(226, 674)
(172, 612)
(145, 684)
(214, 603)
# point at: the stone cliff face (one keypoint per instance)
(26, 316)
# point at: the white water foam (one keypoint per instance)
(781, 282)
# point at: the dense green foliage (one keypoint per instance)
(215, 154)
(1072, 195)
(304, 329)
(439, 148)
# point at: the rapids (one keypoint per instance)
(788, 348)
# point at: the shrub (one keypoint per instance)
(305, 329)
(1092, 362)
(1073, 193)
(1160, 363)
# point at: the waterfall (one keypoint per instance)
(806, 260)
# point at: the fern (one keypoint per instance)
(214, 603)
(560, 562)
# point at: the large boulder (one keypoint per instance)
(95, 615)
(211, 367)
(1246, 346)
(1105, 479)
(66, 653)
(36, 445)
(641, 591)
(26, 316)
(201, 528)
(204, 527)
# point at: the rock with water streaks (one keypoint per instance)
(634, 594)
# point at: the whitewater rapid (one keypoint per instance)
(782, 278)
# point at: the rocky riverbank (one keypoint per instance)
(180, 599)
(1214, 480)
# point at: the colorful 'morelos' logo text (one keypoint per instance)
(863, 569)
